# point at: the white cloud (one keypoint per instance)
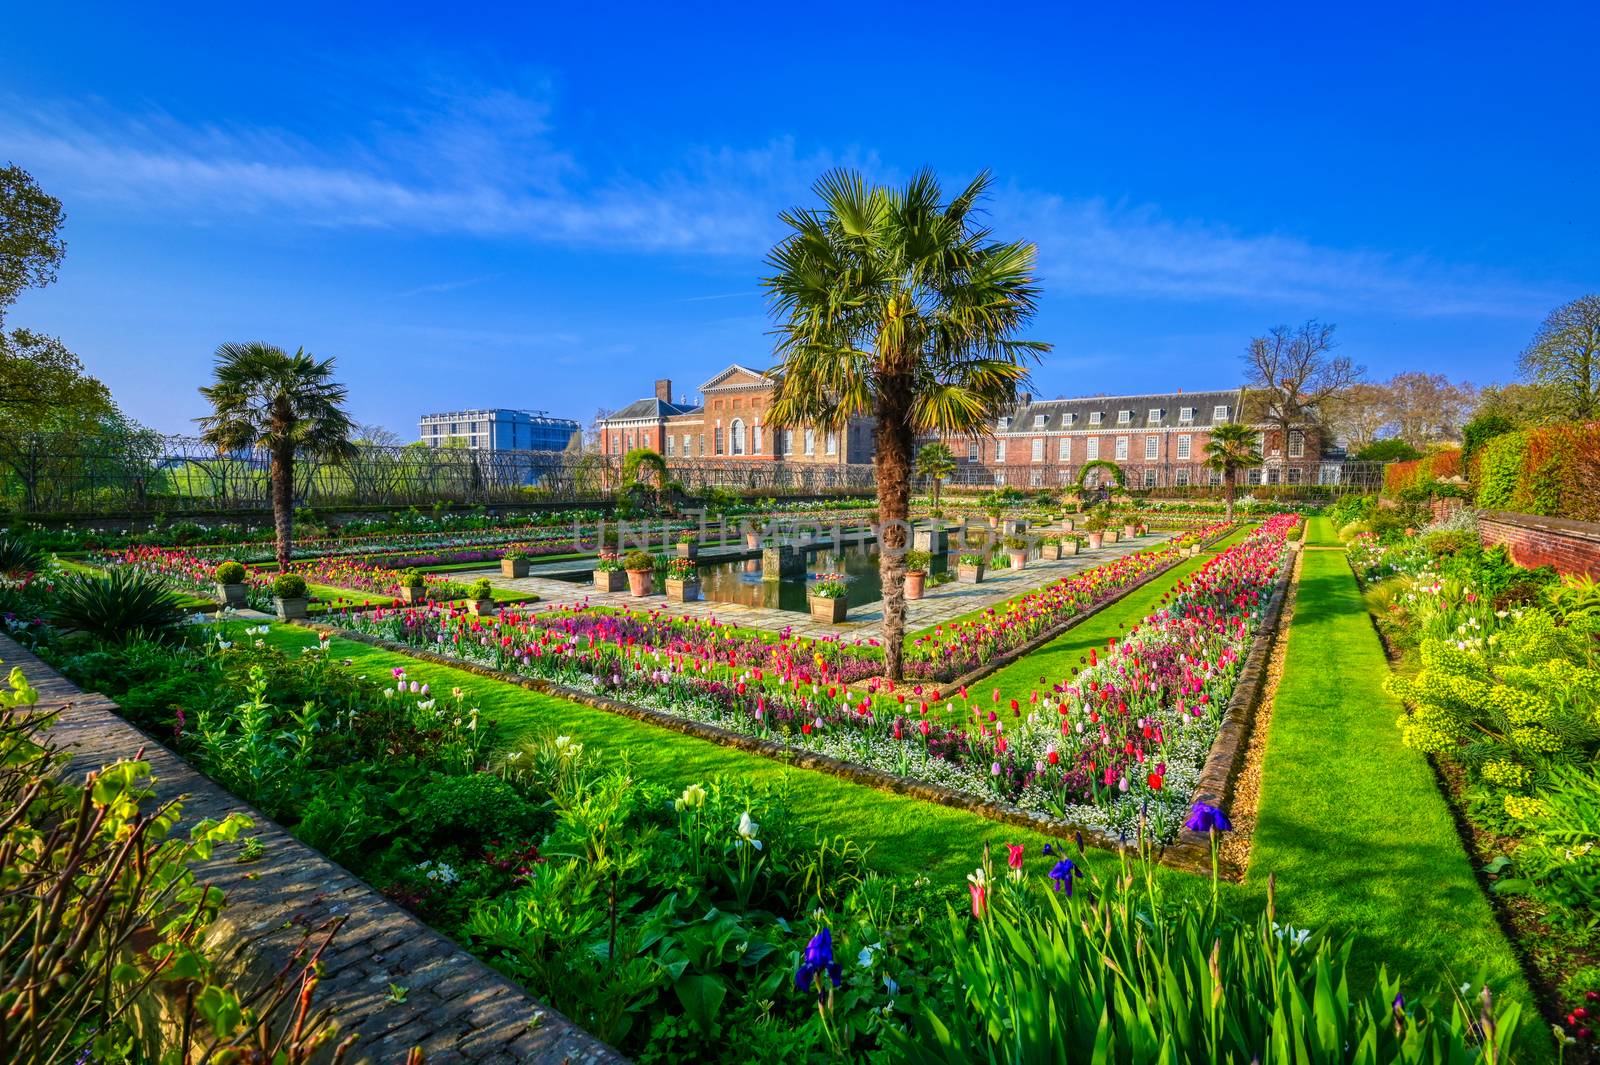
(482, 162)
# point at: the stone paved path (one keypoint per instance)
(457, 1009)
(866, 622)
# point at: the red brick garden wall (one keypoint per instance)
(1569, 546)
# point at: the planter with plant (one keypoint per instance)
(608, 573)
(917, 563)
(641, 568)
(1017, 551)
(1055, 548)
(827, 597)
(292, 595)
(969, 568)
(480, 596)
(413, 587)
(688, 545)
(513, 564)
(231, 588)
(683, 580)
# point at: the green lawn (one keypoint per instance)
(1351, 821)
(1058, 659)
(1321, 533)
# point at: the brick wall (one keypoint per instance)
(1569, 546)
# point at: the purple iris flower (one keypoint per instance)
(1048, 849)
(818, 958)
(1062, 873)
(1203, 817)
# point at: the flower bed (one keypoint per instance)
(1130, 733)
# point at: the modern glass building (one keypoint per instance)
(499, 429)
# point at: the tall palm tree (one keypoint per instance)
(288, 405)
(935, 462)
(897, 306)
(1232, 448)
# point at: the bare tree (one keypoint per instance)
(1297, 374)
(1357, 415)
(371, 434)
(1565, 357)
(591, 435)
(1425, 408)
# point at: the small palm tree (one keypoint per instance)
(262, 396)
(895, 305)
(935, 462)
(1232, 448)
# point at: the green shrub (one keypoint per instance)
(1500, 470)
(1448, 542)
(480, 589)
(638, 560)
(18, 556)
(125, 604)
(412, 578)
(468, 812)
(918, 561)
(229, 573)
(289, 586)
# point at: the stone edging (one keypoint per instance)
(456, 1008)
(1176, 855)
(1192, 850)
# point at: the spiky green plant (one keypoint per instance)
(124, 604)
(18, 556)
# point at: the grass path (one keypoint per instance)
(1321, 533)
(1058, 659)
(1352, 822)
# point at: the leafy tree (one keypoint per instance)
(30, 244)
(935, 462)
(1522, 404)
(49, 407)
(1565, 357)
(262, 396)
(1232, 448)
(1479, 431)
(1392, 449)
(896, 305)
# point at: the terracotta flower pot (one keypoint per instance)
(234, 595)
(681, 591)
(831, 610)
(513, 567)
(1130, 531)
(752, 540)
(1067, 525)
(292, 609)
(915, 583)
(639, 582)
(1018, 556)
(1096, 540)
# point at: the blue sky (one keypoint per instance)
(549, 207)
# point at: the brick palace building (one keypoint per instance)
(1158, 440)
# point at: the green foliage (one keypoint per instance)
(412, 578)
(1558, 860)
(917, 561)
(289, 586)
(468, 811)
(1390, 450)
(1479, 431)
(125, 604)
(638, 560)
(256, 751)
(230, 573)
(18, 556)
(480, 589)
(1500, 470)
(1105, 466)
(1119, 973)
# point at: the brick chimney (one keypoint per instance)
(664, 390)
(1025, 398)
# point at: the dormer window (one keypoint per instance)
(1068, 419)
(1219, 413)
(1155, 416)
(1039, 420)
(1124, 417)
(1094, 417)
(1005, 422)
(1185, 415)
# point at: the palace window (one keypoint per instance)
(1092, 448)
(1124, 417)
(1068, 419)
(1121, 448)
(999, 450)
(1149, 478)
(831, 442)
(1152, 446)
(1294, 474)
(1213, 477)
(1185, 415)
(811, 441)
(1005, 422)
(671, 442)
(755, 440)
(1094, 417)
(1154, 417)
(1185, 444)
(736, 437)
(716, 440)
(1064, 451)
(1038, 449)
(1182, 475)
(1219, 413)
(1297, 444)
(700, 444)
(974, 452)
(1039, 420)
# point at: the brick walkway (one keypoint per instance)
(866, 622)
(456, 1009)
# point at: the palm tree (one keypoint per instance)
(935, 462)
(1232, 448)
(896, 306)
(262, 396)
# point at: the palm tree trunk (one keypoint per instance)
(282, 474)
(893, 460)
(936, 493)
(1228, 479)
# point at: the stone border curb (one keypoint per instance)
(457, 1009)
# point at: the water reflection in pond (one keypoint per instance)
(740, 581)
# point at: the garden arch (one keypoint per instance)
(1102, 464)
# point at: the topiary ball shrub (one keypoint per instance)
(229, 573)
(124, 605)
(289, 586)
(480, 589)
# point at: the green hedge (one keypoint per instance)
(1550, 471)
